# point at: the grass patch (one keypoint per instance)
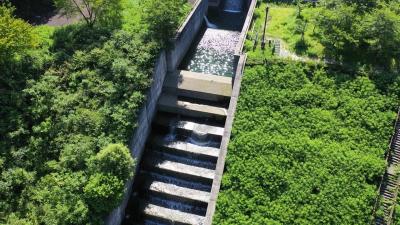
(284, 24)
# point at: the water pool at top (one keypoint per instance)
(213, 50)
(214, 53)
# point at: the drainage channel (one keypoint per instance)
(178, 167)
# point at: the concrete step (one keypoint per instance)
(189, 126)
(182, 182)
(180, 170)
(171, 104)
(171, 215)
(188, 160)
(176, 204)
(177, 192)
(198, 85)
(186, 148)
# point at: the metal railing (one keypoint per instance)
(388, 156)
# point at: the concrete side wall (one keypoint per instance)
(187, 34)
(225, 141)
(249, 18)
(231, 113)
(141, 133)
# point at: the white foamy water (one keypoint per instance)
(180, 182)
(215, 53)
(189, 161)
(223, 41)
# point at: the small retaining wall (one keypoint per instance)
(251, 8)
(241, 57)
(141, 133)
(186, 34)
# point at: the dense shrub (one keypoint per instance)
(69, 105)
(307, 147)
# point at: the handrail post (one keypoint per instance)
(265, 28)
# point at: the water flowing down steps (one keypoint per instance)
(178, 166)
(389, 186)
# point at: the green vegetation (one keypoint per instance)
(306, 146)
(11, 28)
(369, 37)
(308, 140)
(349, 32)
(70, 98)
(104, 11)
(298, 36)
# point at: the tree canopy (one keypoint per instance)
(92, 10)
(16, 36)
(70, 97)
(361, 31)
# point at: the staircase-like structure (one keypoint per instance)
(389, 187)
(179, 162)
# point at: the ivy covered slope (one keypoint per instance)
(69, 98)
(307, 146)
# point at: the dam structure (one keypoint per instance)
(179, 174)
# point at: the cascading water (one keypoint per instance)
(200, 136)
(180, 182)
(233, 6)
(209, 24)
(171, 136)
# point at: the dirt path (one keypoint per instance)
(60, 20)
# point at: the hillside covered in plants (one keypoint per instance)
(69, 99)
(310, 134)
(307, 146)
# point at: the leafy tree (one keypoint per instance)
(383, 34)
(16, 36)
(104, 192)
(77, 151)
(57, 199)
(361, 32)
(13, 182)
(115, 159)
(63, 102)
(340, 28)
(92, 10)
(163, 18)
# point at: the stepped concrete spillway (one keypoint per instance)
(181, 167)
(179, 164)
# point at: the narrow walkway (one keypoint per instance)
(178, 166)
(389, 186)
